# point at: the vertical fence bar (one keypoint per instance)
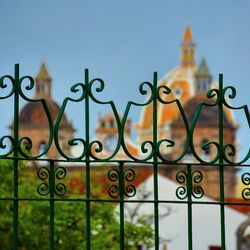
(88, 245)
(121, 188)
(190, 220)
(52, 205)
(16, 137)
(155, 163)
(221, 163)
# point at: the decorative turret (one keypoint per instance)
(188, 49)
(43, 83)
(203, 78)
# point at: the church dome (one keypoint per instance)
(33, 114)
(181, 83)
(188, 84)
(207, 115)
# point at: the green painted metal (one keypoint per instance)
(52, 187)
(221, 160)
(16, 136)
(155, 160)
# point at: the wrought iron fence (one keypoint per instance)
(121, 178)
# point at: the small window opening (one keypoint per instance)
(42, 147)
(111, 123)
(103, 124)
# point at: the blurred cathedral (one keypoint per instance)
(189, 84)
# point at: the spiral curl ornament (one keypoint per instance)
(129, 174)
(115, 175)
(130, 190)
(49, 185)
(146, 88)
(43, 189)
(215, 95)
(97, 146)
(245, 178)
(30, 86)
(114, 191)
(60, 189)
(183, 191)
(162, 146)
(181, 177)
(197, 192)
(4, 143)
(147, 148)
(4, 85)
(43, 174)
(246, 194)
(197, 176)
(164, 90)
(60, 173)
(97, 85)
(78, 87)
(227, 96)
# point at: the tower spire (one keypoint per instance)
(188, 49)
(203, 77)
(43, 83)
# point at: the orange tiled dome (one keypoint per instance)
(186, 83)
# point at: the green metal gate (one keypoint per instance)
(52, 188)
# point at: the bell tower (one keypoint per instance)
(188, 50)
(43, 83)
(203, 78)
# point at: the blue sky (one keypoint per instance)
(123, 42)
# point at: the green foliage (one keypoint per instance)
(69, 220)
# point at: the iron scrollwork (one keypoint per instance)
(122, 180)
(190, 184)
(51, 181)
(245, 178)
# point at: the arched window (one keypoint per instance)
(103, 124)
(111, 123)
